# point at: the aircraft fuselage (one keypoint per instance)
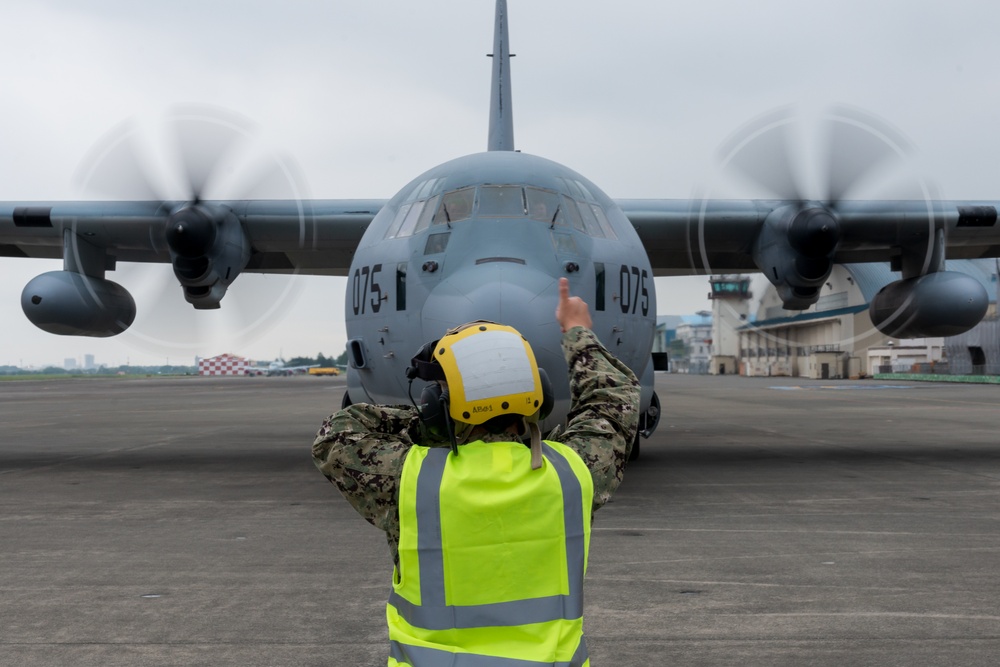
(488, 236)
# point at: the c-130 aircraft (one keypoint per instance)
(488, 235)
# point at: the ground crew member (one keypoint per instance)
(488, 536)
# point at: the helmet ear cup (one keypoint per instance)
(422, 364)
(548, 395)
(434, 410)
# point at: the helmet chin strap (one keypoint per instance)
(449, 425)
(536, 445)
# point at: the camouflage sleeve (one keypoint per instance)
(604, 410)
(361, 449)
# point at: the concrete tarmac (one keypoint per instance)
(180, 521)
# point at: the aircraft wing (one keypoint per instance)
(684, 237)
(280, 236)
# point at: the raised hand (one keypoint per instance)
(572, 311)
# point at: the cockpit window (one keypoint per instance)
(427, 215)
(575, 210)
(410, 221)
(436, 243)
(542, 205)
(455, 206)
(585, 191)
(569, 215)
(602, 220)
(425, 189)
(590, 225)
(501, 201)
(573, 189)
(397, 221)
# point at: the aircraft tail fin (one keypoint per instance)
(501, 137)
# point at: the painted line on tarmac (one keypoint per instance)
(841, 387)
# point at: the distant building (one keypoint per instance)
(835, 337)
(730, 295)
(908, 356)
(88, 362)
(666, 331)
(977, 351)
(695, 332)
(224, 364)
(69, 364)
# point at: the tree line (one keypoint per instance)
(320, 359)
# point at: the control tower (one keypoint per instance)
(730, 297)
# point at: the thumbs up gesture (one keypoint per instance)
(572, 311)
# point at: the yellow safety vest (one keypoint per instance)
(492, 556)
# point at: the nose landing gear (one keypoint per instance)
(648, 421)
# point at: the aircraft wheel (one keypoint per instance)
(346, 402)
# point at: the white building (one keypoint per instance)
(695, 331)
(835, 337)
(907, 356)
(730, 311)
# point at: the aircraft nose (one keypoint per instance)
(502, 290)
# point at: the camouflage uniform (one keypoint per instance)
(361, 449)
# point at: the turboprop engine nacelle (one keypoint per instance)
(794, 249)
(208, 249)
(72, 304)
(945, 303)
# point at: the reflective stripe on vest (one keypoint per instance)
(433, 614)
(419, 655)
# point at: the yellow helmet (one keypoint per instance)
(491, 371)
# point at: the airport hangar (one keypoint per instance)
(835, 338)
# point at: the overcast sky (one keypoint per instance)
(636, 95)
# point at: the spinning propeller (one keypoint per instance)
(814, 166)
(816, 173)
(187, 163)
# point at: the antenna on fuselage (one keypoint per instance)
(501, 136)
